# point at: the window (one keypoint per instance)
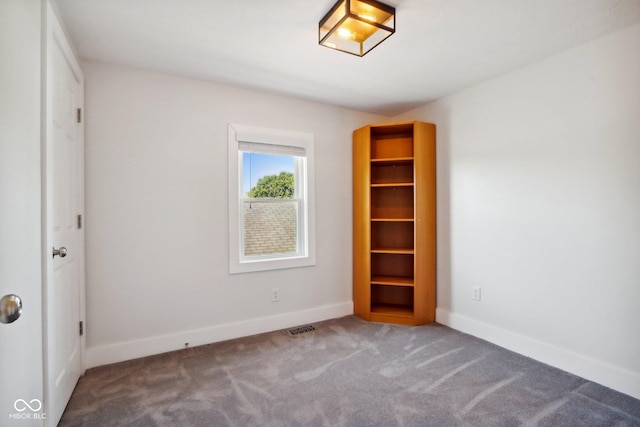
(271, 203)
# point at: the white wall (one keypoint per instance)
(156, 214)
(539, 204)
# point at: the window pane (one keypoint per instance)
(270, 227)
(269, 212)
(267, 175)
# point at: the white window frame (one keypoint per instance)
(239, 135)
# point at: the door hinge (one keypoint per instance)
(79, 221)
(81, 328)
(79, 115)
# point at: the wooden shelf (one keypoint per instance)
(392, 219)
(392, 281)
(397, 160)
(397, 184)
(391, 129)
(396, 251)
(391, 313)
(392, 172)
(385, 147)
(392, 237)
(393, 253)
(392, 201)
(392, 309)
(396, 267)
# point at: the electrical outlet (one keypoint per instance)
(275, 295)
(476, 293)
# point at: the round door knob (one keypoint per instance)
(62, 252)
(10, 308)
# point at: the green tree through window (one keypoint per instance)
(274, 187)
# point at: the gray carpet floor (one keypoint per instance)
(347, 372)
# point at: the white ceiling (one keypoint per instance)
(439, 47)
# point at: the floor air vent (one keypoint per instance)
(300, 330)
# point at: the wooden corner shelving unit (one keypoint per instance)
(394, 223)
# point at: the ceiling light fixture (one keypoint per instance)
(356, 26)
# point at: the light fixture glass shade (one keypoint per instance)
(356, 26)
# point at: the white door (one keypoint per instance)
(65, 266)
(21, 245)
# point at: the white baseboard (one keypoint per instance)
(119, 352)
(594, 370)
